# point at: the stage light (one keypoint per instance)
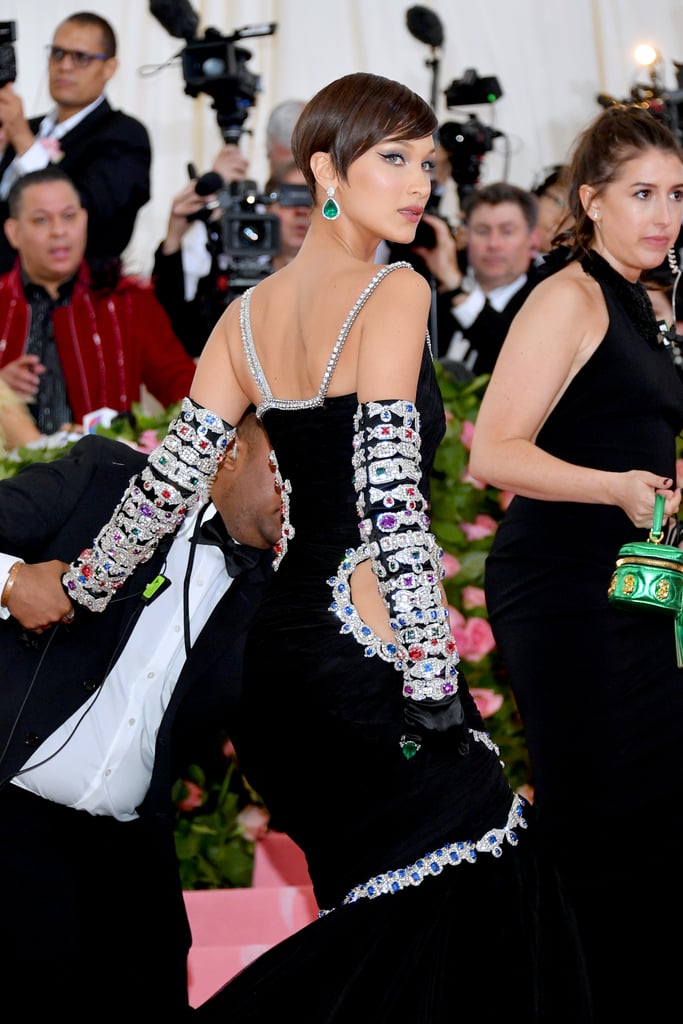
(646, 54)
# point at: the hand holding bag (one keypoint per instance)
(649, 576)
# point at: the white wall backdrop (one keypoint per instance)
(551, 57)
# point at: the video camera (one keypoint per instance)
(661, 103)
(215, 65)
(467, 143)
(8, 60)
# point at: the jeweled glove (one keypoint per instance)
(178, 474)
(407, 562)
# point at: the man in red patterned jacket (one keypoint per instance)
(70, 344)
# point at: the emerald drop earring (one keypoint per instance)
(331, 209)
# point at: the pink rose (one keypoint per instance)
(228, 749)
(451, 565)
(194, 796)
(487, 701)
(483, 526)
(467, 478)
(448, 415)
(466, 434)
(53, 149)
(473, 597)
(253, 822)
(456, 619)
(504, 499)
(475, 640)
(148, 441)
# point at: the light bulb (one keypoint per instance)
(646, 54)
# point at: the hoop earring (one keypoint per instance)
(330, 210)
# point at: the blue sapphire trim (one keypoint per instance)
(450, 854)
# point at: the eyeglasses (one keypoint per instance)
(56, 54)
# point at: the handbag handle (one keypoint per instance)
(657, 531)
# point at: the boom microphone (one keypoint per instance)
(176, 16)
(425, 25)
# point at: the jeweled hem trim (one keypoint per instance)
(448, 855)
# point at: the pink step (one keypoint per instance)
(231, 927)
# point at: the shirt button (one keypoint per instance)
(131, 721)
(176, 628)
(108, 771)
(150, 675)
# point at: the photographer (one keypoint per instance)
(105, 152)
(195, 273)
(188, 280)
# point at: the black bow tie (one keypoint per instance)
(238, 557)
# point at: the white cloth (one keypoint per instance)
(100, 760)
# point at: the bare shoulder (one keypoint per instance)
(401, 292)
(569, 289)
(566, 309)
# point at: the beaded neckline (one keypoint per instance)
(631, 295)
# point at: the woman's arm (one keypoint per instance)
(556, 331)
(394, 525)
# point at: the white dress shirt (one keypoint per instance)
(100, 760)
(38, 156)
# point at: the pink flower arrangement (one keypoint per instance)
(148, 441)
(467, 433)
(194, 797)
(474, 639)
(456, 619)
(253, 822)
(451, 565)
(487, 701)
(473, 597)
(483, 526)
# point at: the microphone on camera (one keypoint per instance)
(176, 16)
(425, 25)
(205, 186)
(208, 183)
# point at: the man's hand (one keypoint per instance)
(442, 260)
(231, 163)
(185, 204)
(37, 599)
(22, 375)
(16, 126)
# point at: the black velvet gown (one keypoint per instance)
(321, 719)
(598, 689)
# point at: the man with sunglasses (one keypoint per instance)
(105, 152)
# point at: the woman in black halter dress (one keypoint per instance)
(580, 420)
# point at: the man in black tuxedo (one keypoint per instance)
(105, 152)
(474, 310)
(99, 713)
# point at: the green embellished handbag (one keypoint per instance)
(649, 575)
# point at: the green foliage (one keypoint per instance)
(214, 850)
